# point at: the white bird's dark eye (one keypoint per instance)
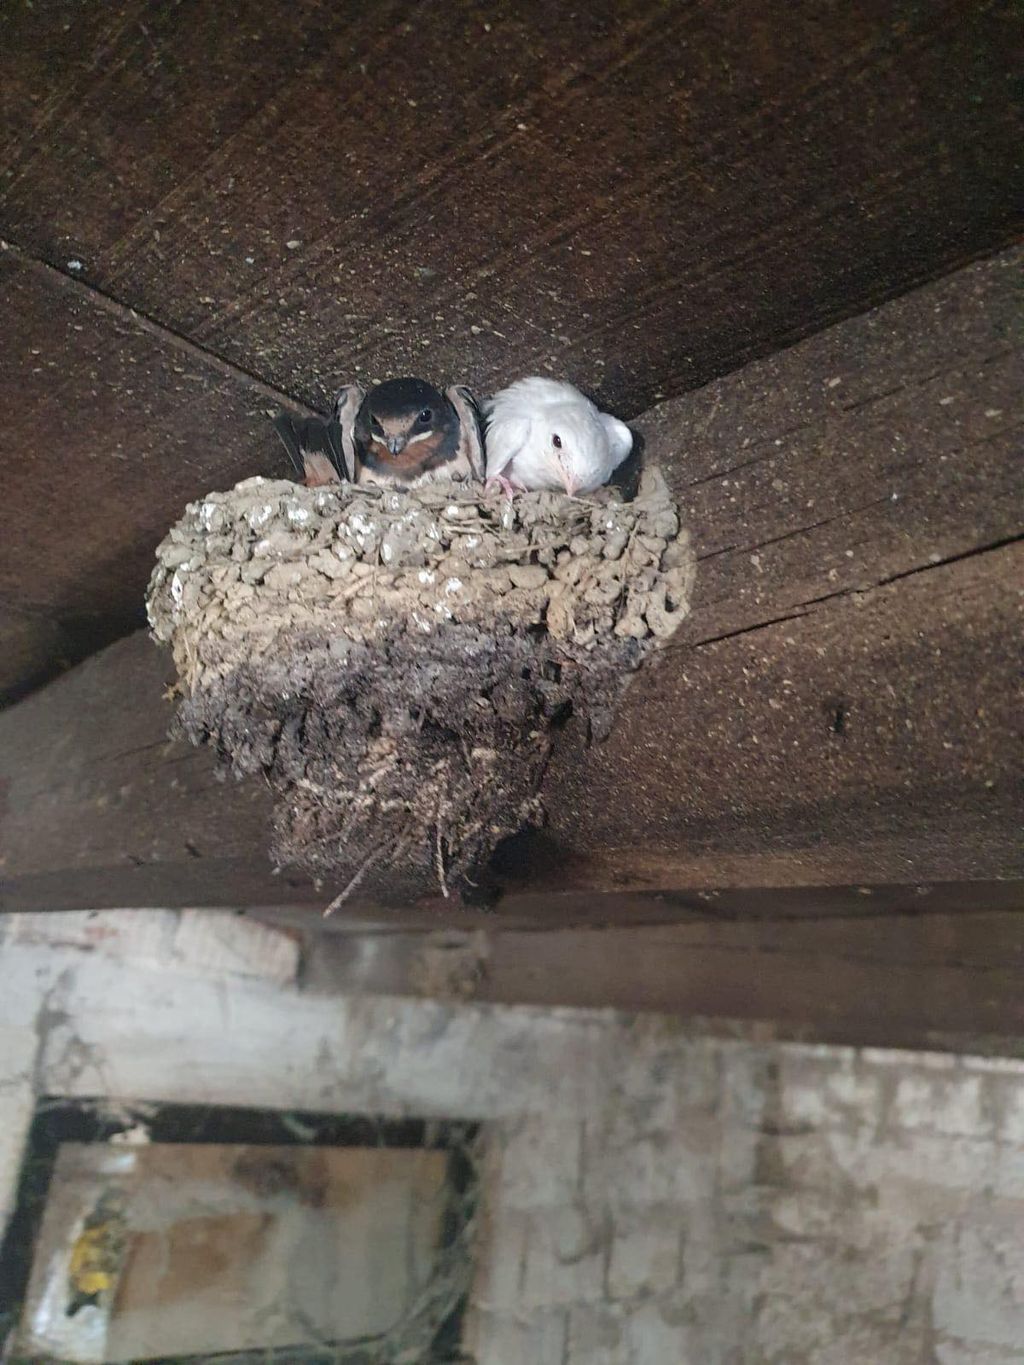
(426, 415)
(556, 441)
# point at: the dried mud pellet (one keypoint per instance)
(392, 662)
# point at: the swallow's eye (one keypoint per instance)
(556, 441)
(376, 427)
(426, 416)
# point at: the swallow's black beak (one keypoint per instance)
(396, 444)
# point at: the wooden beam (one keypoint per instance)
(98, 807)
(868, 738)
(840, 704)
(839, 710)
(753, 172)
(32, 644)
(917, 970)
(637, 195)
(885, 446)
(113, 427)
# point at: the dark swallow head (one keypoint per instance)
(406, 426)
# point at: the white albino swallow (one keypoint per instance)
(542, 433)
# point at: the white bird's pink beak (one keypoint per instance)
(568, 478)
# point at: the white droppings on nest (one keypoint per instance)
(439, 623)
(256, 516)
(354, 557)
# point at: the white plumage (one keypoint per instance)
(545, 434)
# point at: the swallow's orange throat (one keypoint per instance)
(415, 453)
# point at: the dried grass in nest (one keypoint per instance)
(397, 663)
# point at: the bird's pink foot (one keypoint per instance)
(499, 481)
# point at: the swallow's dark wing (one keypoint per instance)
(285, 426)
(314, 447)
(334, 448)
(471, 445)
(346, 408)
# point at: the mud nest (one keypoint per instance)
(397, 663)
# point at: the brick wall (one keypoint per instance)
(652, 1197)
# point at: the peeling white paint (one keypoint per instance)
(625, 1156)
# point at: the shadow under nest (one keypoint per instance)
(397, 663)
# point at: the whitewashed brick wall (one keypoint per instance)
(651, 1197)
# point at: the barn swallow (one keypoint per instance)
(405, 432)
(542, 433)
(314, 447)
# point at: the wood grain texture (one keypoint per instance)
(110, 428)
(98, 807)
(32, 644)
(869, 738)
(887, 445)
(839, 718)
(637, 196)
(940, 978)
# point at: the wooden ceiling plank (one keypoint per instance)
(845, 728)
(640, 197)
(937, 981)
(112, 425)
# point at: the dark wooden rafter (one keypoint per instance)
(285, 185)
(913, 967)
(837, 709)
(205, 218)
(109, 428)
(839, 704)
(807, 817)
